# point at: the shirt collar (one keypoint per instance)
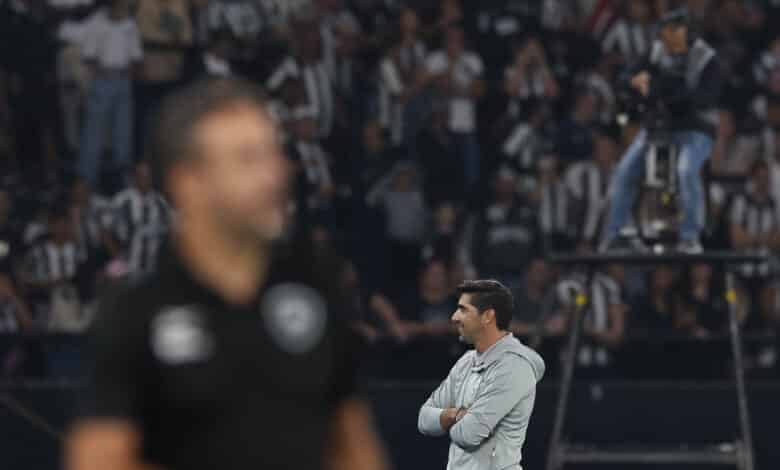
(491, 354)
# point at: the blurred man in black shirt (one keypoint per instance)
(228, 355)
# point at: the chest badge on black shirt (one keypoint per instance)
(295, 316)
(180, 335)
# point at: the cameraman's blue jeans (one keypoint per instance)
(695, 148)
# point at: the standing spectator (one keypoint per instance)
(14, 313)
(703, 308)
(605, 322)
(733, 153)
(398, 73)
(308, 65)
(401, 198)
(656, 311)
(167, 33)
(755, 229)
(766, 70)
(442, 241)
(437, 154)
(555, 209)
(50, 272)
(73, 77)
(316, 187)
(599, 82)
(505, 235)
(526, 142)
(458, 75)
(575, 133)
(141, 215)
(432, 302)
(93, 219)
(774, 168)
(111, 46)
(356, 303)
(353, 82)
(631, 35)
(588, 183)
(529, 76)
(534, 303)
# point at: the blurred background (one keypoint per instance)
(412, 175)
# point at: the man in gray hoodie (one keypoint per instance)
(486, 401)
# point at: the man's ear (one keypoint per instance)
(489, 316)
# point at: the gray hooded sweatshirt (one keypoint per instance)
(498, 388)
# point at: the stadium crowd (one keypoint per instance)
(433, 141)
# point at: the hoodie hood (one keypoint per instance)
(511, 345)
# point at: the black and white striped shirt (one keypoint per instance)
(756, 218)
(94, 220)
(315, 169)
(317, 84)
(554, 215)
(145, 247)
(589, 186)
(632, 40)
(133, 209)
(523, 147)
(396, 74)
(604, 293)
(50, 262)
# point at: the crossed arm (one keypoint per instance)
(511, 381)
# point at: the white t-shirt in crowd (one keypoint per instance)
(468, 68)
(112, 44)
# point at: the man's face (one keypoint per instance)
(468, 320)
(241, 178)
(675, 38)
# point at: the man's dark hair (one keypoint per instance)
(487, 294)
(181, 111)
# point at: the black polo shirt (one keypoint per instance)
(218, 386)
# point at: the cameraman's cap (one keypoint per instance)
(676, 17)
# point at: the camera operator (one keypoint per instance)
(680, 81)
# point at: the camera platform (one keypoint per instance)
(738, 453)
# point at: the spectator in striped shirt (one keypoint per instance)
(755, 229)
(605, 320)
(93, 219)
(51, 271)
(588, 184)
(555, 208)
(141, 216)
(399, 71)
(14, 313)
(630, 36)
(308, 65)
